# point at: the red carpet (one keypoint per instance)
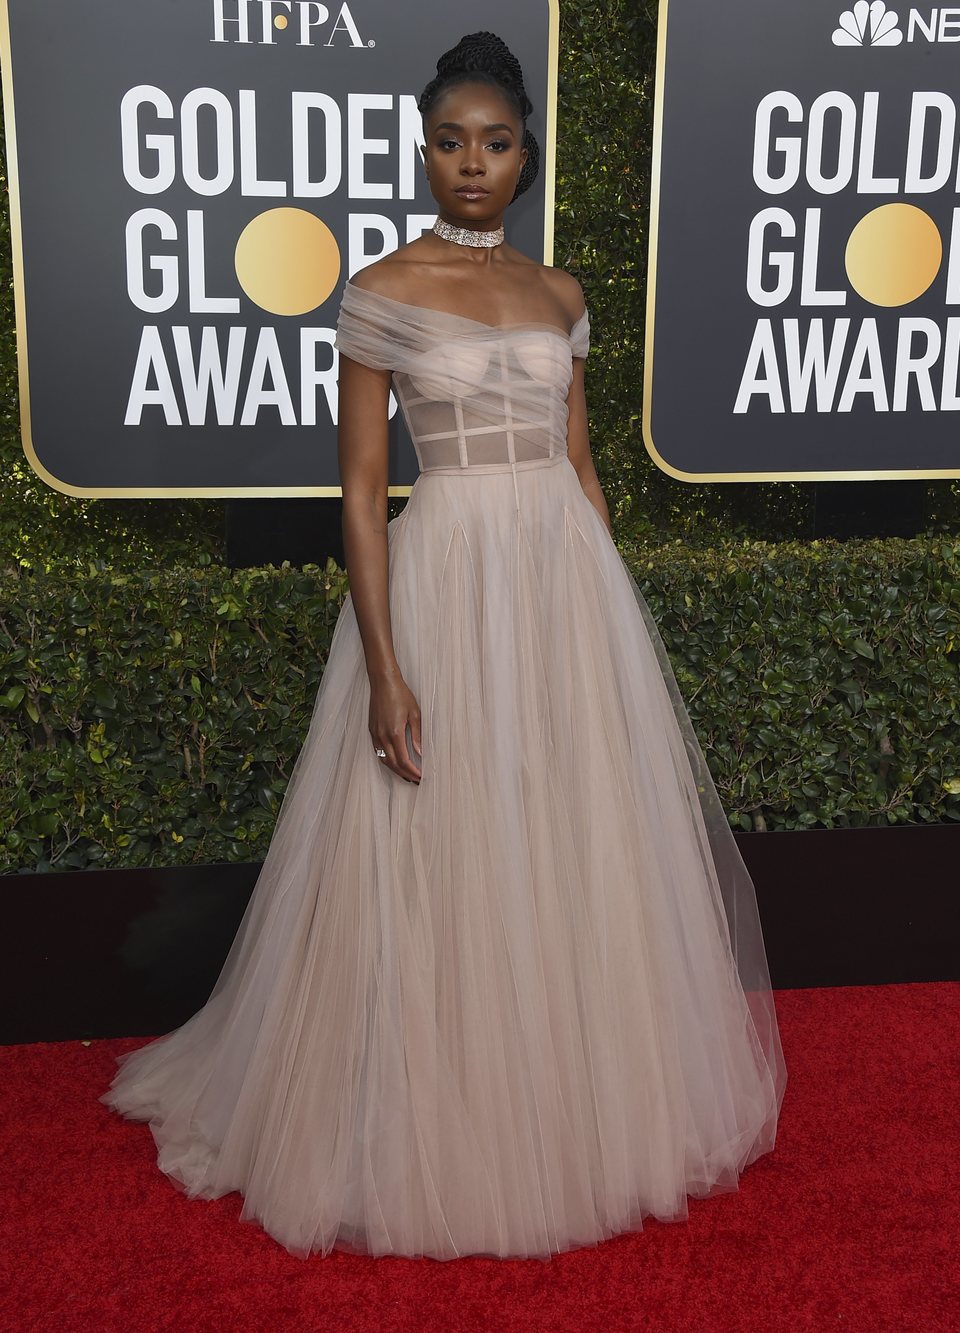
(853, 1222)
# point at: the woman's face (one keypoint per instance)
(473, 155)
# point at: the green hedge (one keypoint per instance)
(153, 719)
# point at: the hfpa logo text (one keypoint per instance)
(259, 21)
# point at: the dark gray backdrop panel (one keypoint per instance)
(71, 64)
(721, 59)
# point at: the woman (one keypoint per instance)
(501, 987)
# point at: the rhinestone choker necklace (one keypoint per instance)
(467, 236)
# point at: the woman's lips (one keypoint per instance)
(472, 192)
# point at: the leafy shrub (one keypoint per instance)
(154, 718)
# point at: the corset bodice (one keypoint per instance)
(472, 395)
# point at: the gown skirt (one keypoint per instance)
(520, 1006)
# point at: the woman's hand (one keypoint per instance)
(392, 706)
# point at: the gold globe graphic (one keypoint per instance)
(893, 254)
(287, 261)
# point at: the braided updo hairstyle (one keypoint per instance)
(482, 57)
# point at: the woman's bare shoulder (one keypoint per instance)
(559, 286)
(567, 290)
(393, 274)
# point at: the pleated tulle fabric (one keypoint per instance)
(525, 1004)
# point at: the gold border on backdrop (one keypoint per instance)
(16, 238)
(661, 462)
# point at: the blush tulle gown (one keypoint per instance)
(522, 1005)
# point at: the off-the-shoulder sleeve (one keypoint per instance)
(365, 332)
(580, 336)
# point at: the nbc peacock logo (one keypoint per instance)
(868, 24)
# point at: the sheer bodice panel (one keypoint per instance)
(488, 400)
(472, 395)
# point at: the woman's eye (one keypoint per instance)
(500, 144)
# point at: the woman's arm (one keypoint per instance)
(362, 448)
(570, 293)
(578, 444)
(362, 454)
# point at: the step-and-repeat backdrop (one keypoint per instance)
(191, 184)
(803, 316)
